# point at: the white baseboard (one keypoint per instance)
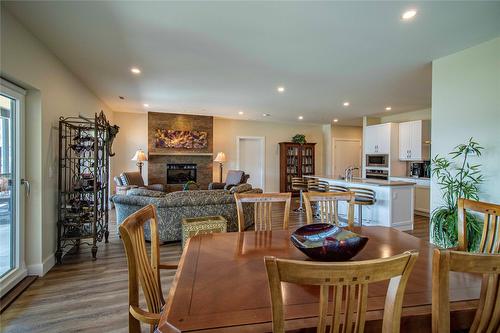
(403, 225)
(11, 279)
(42, 268)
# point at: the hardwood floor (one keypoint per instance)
(91, 296)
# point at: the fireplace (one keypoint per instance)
(180, 173)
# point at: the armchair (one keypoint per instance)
(233, 178)
(134, 180)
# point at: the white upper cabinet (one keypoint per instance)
(378, 139)
(414, 140)
(370, 140)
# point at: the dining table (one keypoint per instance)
(221, 285)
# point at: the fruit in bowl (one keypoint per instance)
(327, 242)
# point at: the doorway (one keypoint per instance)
(346, 153)
(250, 151)
(12, 266)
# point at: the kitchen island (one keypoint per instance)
(393, 206)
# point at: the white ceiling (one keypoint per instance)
(219, 58)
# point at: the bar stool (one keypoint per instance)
(299, 184)
(362, 197)
(316, 185)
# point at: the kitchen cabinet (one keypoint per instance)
(422, 200)
(378, 139)
(414, 140)
(421, 194)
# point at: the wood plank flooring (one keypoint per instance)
(91, 296)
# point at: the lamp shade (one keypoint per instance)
(140, 156)
(221, 157)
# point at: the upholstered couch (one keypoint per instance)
(173, 207)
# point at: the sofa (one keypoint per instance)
(173, 207)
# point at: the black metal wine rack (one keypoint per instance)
(83, 183)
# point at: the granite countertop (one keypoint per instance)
(365, 181)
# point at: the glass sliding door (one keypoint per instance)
(12, 267)
(7, 185)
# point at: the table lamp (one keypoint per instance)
(220, 158)
(140, 157)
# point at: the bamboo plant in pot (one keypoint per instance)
(457, 178)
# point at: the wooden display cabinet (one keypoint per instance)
(296, 160)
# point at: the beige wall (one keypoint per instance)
(132, 136)
(347, 132)
(53, 91)
(466, 103)
(424, 114)
(227, 130)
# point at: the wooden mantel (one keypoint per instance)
(179, 154)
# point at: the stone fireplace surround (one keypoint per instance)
(160, 157)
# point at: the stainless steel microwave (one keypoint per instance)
(377, 160)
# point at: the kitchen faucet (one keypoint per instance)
(348, 172)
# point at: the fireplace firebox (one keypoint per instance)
(181, 173)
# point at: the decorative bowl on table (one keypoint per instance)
(327, 242)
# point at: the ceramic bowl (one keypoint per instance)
(327, 242)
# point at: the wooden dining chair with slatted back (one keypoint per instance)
(142, 269)
(487, 317)
(490, 239)
(327, 203)
(263, 209)
(348, 282)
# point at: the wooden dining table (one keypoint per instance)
(221, 285)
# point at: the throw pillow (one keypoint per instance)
(240, 188)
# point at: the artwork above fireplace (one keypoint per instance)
(166, 138)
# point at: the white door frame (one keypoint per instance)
(262, 140)
(360, 152)
(19, 271)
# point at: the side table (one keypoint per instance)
(202, 225)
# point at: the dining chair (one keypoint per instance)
(143, 270)
(490, 239)
(348, 282)
(263, 209)
(487, 317)
(327, 203)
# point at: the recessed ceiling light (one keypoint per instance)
(240, 113)
(409, 14)
(335, 120)
(135, 70)
(266, 115)
(347, 103)
(388, 108)
(300, 117)
(281, 89)
(146, 105)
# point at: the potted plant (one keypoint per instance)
(299, 138)
(457, 179)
